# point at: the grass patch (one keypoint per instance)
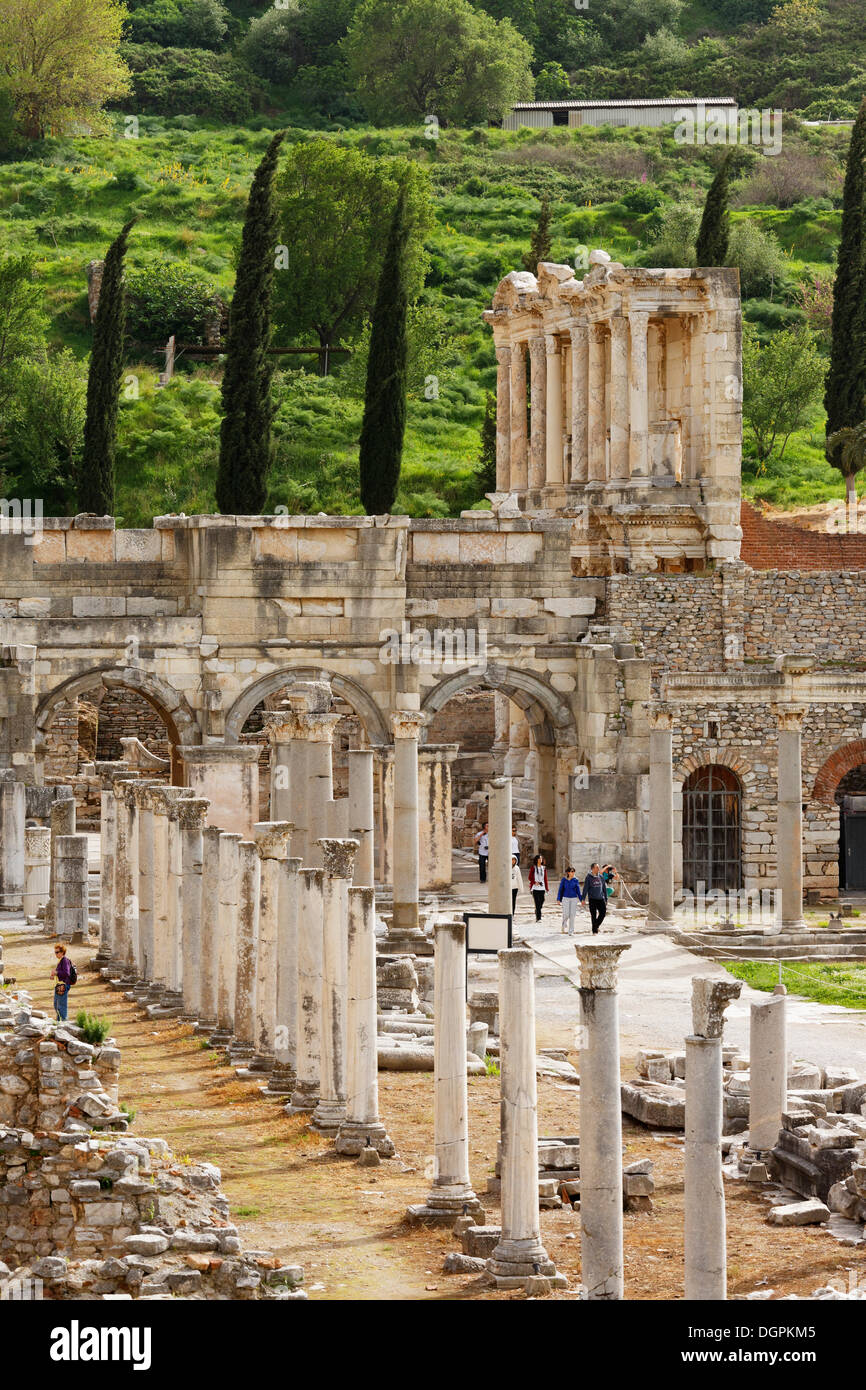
(95, 1029)
(819, 981)
(247, 1211)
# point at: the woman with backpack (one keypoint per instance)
(538, 884)
(66, 976)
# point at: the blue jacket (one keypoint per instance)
(595, 886)
(568, 888)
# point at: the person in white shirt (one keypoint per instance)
(482, 840)
(516, 882)
(538, 884)
(515, 845)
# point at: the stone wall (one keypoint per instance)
(776, 545)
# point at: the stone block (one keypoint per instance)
(480, 1240)
(812, 1212)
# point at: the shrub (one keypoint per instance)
(272, 47)
(180, 23)
(758, 256)
(189, 81)
(168, 297)
(95, 1029)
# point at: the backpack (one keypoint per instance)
(73, 975)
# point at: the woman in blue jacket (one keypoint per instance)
(569, 895)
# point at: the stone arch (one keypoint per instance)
(169, 704)
(831, 772)
(548, 715)
(724, 757)
(354, 694)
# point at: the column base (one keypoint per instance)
(404, 919)
(515, 1261)
(281, 1082)
(240, 1053)
(444, 1205)
(220, 1037)
(205, 1025)
(354, 1137)
(328, 1117)
(305, 1098)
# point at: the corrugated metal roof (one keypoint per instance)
(597, 105)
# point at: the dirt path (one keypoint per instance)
(290, 1193)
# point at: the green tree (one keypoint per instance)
(384, 423)
(847, 448)
(540, 244)
(180, 23)
(62, 60)
(678, 229)
(711, 247)
(168, 297)
(335, 207)
(97, 474)
(845, 392)
(414, 58)
(487, 457)
(22, 319)
(273, 45)
(245, 434)
(552, 83)
(758, 257)
(781, 386)
(44, 432)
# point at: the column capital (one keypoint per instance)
(281, 725)
(578, 334)
(317, 727)
(660, 715)
(503, 354)
(596, 330)
(108, 772)
(407, 723)
(163, 798)
(338, 857)
(537, 346)
(598, 964)
(710, 998)
(638, 320)
(552, 344)
(192, 812)
(789, 718)
(455, 929)
(272, 838)
(619, 327)
(309, 697)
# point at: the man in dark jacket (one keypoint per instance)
(595, 894)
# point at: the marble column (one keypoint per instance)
(361, 814)
(193, 814)
(696, 341)
(339, 859)
(406, 726)
(305, 1096)
(499, 832)
(638, 406)
(211, 892)
(362, 1127)
(229, 871)
(537, 412)
(503, 419)
(272, 846)
(596, 404)
(62, 821)
(244, 1030)
(122, 878)
(13, 816)
(601, 1255)
(451, 1194)
(436, 841)
(173, 994)
(284, 1073)
(383, 791)
(789, 827)
(519, 456)
(768, 1070)
(705, 1241)
(144, 943)
(316, 727)
(129, 958)
(107, 857)
(70, 887)
(37, 868)
(520, 1253)
(579, 401)
(227, 775)
(554, 431)
(281, 729)
(661, 816)
(167, 881)
(619, 399)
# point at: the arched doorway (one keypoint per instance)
(850, 796)
(712, 829)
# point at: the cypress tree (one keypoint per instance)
(845, 389)
(711, 248)
(540, 244)
(384, 421)
(487, 461)
(97, 472)
(245, 433)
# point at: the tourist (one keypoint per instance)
(569, 897)
(538, 884)
(610, 875)
(64, 971)
(482, 840)
(595, 896)
(516, 882)
(515, 844)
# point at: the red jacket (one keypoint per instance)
(532, 872)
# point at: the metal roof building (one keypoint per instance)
(648, 112)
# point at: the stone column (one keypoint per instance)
(315, 725)
(211, 893)
(193, 814)
(705, 1244)
(173, 994)
(229, 871)
(451, 1193)
(13, 815)
(244, 1033)
(520, 1253)
(122, 878)
(227, 775)
(167, 884)
(579, 401)
(62, 821)
(638, 407)
(619, 399)
(272, 846)
(434, 821)
(281, 729)
(601, 1257)
(284, 1074)
(108, 858)
(129, 871)
(407, 726)
(339, 860)
(789, 828)
(499, 831)
(696, 341)
(305, 1096)
(70, 887)
(160, 893)
(553, 423)
(519, 460)
(503, 419)
(537, 412)
(37, 868)
(383, 791)
(661, 816)
(362, 1127)
(596, 405)
(361, 815)
(144, 944)
(768, 1070)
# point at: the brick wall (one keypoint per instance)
(771, 545)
